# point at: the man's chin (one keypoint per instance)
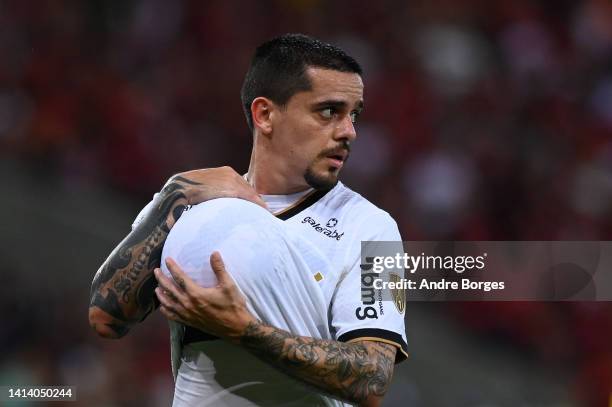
(321, 182)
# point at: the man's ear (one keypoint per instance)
(262, 112)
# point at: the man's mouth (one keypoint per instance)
(337, 157)
(335, 162)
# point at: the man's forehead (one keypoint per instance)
(335, 84)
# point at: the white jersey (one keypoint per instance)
(299, 270)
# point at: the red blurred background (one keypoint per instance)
(484, 120)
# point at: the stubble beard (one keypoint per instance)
(330, 179)
(320, 182)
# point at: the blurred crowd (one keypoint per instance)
(484, 120)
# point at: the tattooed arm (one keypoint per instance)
(122, 289)
(357, 372)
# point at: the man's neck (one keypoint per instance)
(269, 183)
(268, 176)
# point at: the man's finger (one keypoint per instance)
(251, 196)
(259, 201)
(170, 296)
(165, 299)
(169, 286)
(216, 262)
(248, 193)
(180, 278)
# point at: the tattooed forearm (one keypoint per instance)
(124, 285)
(358, 372)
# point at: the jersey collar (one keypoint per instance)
(305, 202)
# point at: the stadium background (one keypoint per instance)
(485, 120)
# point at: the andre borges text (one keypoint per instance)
(404, 261)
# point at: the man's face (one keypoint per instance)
(315, 129)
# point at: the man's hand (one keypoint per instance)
(219, 310)
(210, 183)
(357, 372)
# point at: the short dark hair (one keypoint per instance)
(278, 68)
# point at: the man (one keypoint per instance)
(301, 99)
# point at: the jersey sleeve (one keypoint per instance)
(143, 212)
(380, 320)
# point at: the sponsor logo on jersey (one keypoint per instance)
(368, 294)
(325, 230)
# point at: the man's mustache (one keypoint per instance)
(344, 148)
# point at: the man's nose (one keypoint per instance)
(346, 129)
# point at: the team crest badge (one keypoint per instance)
(398, 294)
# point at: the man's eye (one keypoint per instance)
(354, 116)
(328, 113)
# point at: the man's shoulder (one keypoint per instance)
(341, 196)
(356, 208)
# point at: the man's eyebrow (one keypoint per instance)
(337, 104)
